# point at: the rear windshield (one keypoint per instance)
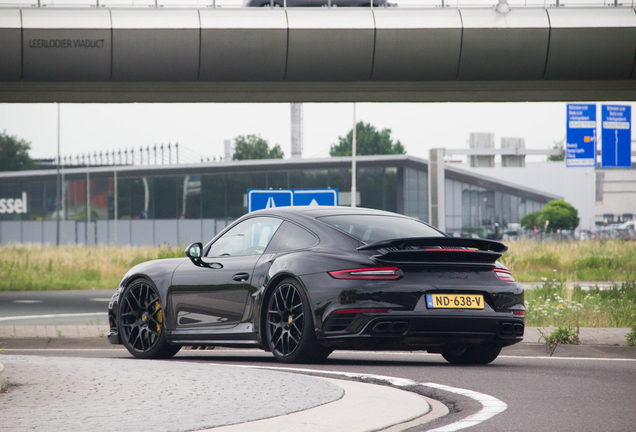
(374, 228)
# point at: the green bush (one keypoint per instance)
(631, 336)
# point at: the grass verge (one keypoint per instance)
(34, 268)
(571, 261)
(558, 306)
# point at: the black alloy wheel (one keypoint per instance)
(470, 355)
(141, 322)
(289, 326)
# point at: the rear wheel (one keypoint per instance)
(141, 322)
(289, 326)
(470, 355)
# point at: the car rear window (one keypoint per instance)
(374, 228)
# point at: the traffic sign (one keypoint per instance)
(259, 199)
(616, 132)
(580, 149)
(318, 197)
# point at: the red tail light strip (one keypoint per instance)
(520, 313)
(504, 275)
(451, 250)
(378, 273)
(350, 311)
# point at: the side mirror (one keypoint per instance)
(194, 252)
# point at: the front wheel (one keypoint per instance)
(289, 326)
(471, 355)
(141, 322)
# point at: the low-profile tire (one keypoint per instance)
(289, 325)
(141, 322)
(471, 355)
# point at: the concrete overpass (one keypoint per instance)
(317, 54)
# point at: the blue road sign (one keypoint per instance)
(259, 199)
(580, 149)
(616, 148)
(321, 197)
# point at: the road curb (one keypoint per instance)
(4, 384)
(363, 407)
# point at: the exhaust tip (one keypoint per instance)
(382, 327)
(506, 328)
(399, 327)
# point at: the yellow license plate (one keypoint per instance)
(455, 301)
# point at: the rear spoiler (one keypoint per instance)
(437, 250)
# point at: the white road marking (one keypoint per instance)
(27, 301)
(26, 317)
(100, 299)
(569, 358)
(491, 405)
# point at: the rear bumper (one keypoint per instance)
(418, 332)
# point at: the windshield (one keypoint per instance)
(374, 228)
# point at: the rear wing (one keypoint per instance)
(437, 250)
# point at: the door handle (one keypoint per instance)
(240, 277)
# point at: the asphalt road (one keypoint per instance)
(542, 394)
(78, 307)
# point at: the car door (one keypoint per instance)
(215, 295)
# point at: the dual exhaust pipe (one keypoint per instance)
(390, 327)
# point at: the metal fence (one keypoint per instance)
(109, 232)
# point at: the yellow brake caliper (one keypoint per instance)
(159, 316)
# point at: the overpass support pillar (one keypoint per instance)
(436, 212)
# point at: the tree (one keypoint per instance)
(530, 220)
(558, 145)
(368, 142)
(561, 216)
(14, 153)
(255, 147)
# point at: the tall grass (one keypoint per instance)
(571, 261)
(557, 305)
(36, 267)
(33, 267)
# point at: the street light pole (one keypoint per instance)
(58, 191)
(353, 160)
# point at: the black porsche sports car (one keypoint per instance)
(303, 281)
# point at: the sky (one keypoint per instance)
(201, 128)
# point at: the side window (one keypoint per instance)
(250, 237)
(290, 237)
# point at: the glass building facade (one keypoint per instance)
(217, 192)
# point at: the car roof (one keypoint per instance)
(314, 212)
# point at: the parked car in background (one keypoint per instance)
(317, 3)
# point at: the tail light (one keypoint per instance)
(504, 275)
(379, 273)
(357, 311)
(519, 312)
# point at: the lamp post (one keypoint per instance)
(58, 188)
(353, 160)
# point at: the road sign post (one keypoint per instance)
(259, 199)
(616, 132)
(580, 149)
